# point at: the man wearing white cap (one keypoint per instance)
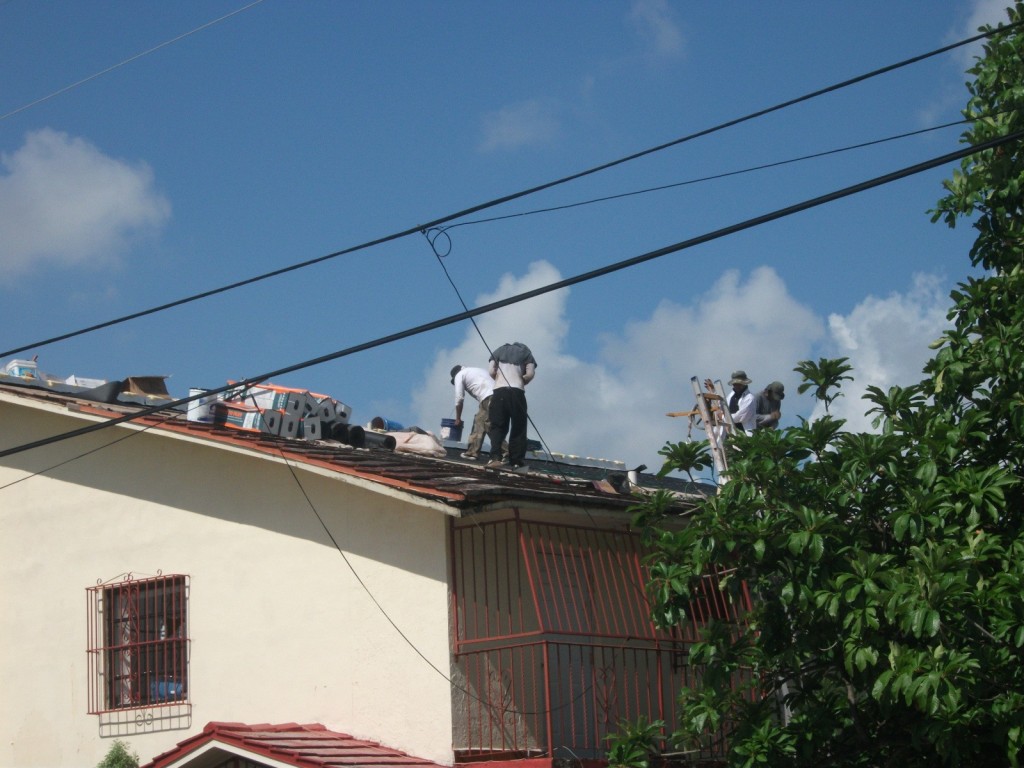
(741, 403)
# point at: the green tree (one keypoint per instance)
(119, 756)
(887, 569)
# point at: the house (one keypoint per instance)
(193, 589)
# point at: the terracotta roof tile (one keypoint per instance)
(451, 481)
(294, 744)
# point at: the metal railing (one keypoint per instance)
(553, 642)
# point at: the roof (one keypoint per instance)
(289, 744)
(457, 484)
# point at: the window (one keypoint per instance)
(138, 643)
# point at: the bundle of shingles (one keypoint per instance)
(277, 410)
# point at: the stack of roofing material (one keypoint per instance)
(243, 416)
(274, 409)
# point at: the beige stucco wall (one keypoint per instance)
(281, 629)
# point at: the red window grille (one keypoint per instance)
(553, 640)
(138, 650)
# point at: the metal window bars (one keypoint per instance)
(138, 642)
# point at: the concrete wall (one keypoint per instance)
(281, 629)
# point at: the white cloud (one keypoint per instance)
(540, 323)
(981, 13)
(63, 202)
(613, 406)
(653, 22)
(886, 341)
(951, 95)
(516, 125)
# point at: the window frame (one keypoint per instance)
(138, 642)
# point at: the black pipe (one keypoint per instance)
(349, 434)
(379, 440)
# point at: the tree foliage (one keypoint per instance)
(887, 569)
(119, 756)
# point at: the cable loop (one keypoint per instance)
(433, 234)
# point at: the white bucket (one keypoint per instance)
(201, 410)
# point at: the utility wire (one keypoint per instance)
(129, 60)
(423, 657)
(699, 180)
(83, 454)
(558, 285)
(508, 198)
(496, 450)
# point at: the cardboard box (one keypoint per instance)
(312, 428)
(240, 416)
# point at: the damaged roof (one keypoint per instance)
(457, 484)
(290, 744)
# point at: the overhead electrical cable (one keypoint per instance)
(394, 625)
(129, 60)
(701, 179)
(83, 454)
(507, 198)
(550, 287)
(559, 466)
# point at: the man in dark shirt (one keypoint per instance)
(512, 367)
(769, 405)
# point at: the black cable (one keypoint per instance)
(560, 470)
(699, 180)
(508, 198)
(373, 598)
(129, 60)
(567, 282)
(89, 452)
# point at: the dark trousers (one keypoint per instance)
(508, 409)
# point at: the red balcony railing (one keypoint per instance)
(553, 641)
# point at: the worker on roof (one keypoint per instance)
(741, 403)
(512, 366)
(479, 385)
(769, 405)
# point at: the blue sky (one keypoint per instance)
(291, 130)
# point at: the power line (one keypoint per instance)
(89, 452)
(373, 598)
(558, 285)
(436, 223)
(129, 60)
(701, 179)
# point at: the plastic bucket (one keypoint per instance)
(449, 431)
(385, 425)
(202, 409)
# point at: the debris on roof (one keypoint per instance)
(315, 429)
(143, 390)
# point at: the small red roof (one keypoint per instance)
(290, 744)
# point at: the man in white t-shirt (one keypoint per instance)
(479, 385)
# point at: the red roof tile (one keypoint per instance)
(458, 485)
(302, 746)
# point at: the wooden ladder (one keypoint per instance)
(711, 406)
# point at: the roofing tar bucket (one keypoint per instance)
(449, 431)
